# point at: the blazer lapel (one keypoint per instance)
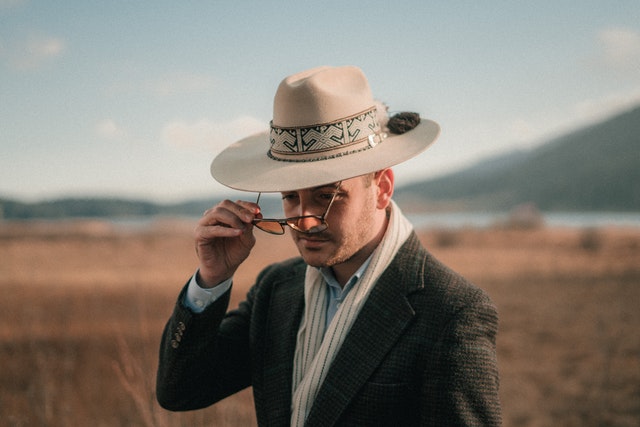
(285, 312)
(383, 318)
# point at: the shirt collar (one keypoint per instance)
(330, 278)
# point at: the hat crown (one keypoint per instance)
(321, 95)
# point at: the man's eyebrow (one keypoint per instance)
(322, 187)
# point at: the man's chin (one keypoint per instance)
(314, 259)
(316, 252)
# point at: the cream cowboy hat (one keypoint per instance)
(326, 127)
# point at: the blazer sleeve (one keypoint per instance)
(465, 390)
(204, 357)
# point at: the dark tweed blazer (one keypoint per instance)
(421, 352)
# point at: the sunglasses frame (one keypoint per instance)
(292, 221)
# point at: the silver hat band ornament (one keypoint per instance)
(328, 140)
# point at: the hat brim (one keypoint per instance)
(246, 166)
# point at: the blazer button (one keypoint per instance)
(181, 326)
(175, 344)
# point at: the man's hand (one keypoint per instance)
(224, 238)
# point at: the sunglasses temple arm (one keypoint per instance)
(332, 200)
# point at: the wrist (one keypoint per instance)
(207, 280)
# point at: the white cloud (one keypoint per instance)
(34, 51)
(180, 83)
(521, 130)
(543, 125)
(619, 49)
(109, 129)
(553, 123)
(598, 109)
(211, 135)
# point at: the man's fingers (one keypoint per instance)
(230, 214)
(208, 232)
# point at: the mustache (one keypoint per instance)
(323, 235)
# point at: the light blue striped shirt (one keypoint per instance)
(337, 294)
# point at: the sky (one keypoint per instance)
(134, 99)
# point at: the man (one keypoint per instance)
(365, 327)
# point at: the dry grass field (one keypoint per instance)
(83, 306)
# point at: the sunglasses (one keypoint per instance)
(276, 226)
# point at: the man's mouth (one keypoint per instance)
(312, 241)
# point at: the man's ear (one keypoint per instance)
(384, 181)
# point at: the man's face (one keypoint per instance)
(351, 219)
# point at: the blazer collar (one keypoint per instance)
(276, 371)
(383, 318)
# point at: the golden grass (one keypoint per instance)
(84, 305)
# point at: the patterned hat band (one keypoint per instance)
(325, 141)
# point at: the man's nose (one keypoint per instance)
(308, 211)
(308, 224)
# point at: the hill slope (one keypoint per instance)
(93, 207)
(595, 168)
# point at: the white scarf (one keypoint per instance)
(314, 354)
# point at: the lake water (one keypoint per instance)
(464, 219)
(564, 219)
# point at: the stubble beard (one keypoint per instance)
(351, 243)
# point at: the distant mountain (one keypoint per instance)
(114, 208)
(96, 207)
(594, 168)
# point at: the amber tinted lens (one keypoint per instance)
(318, 227)
(272, 227)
